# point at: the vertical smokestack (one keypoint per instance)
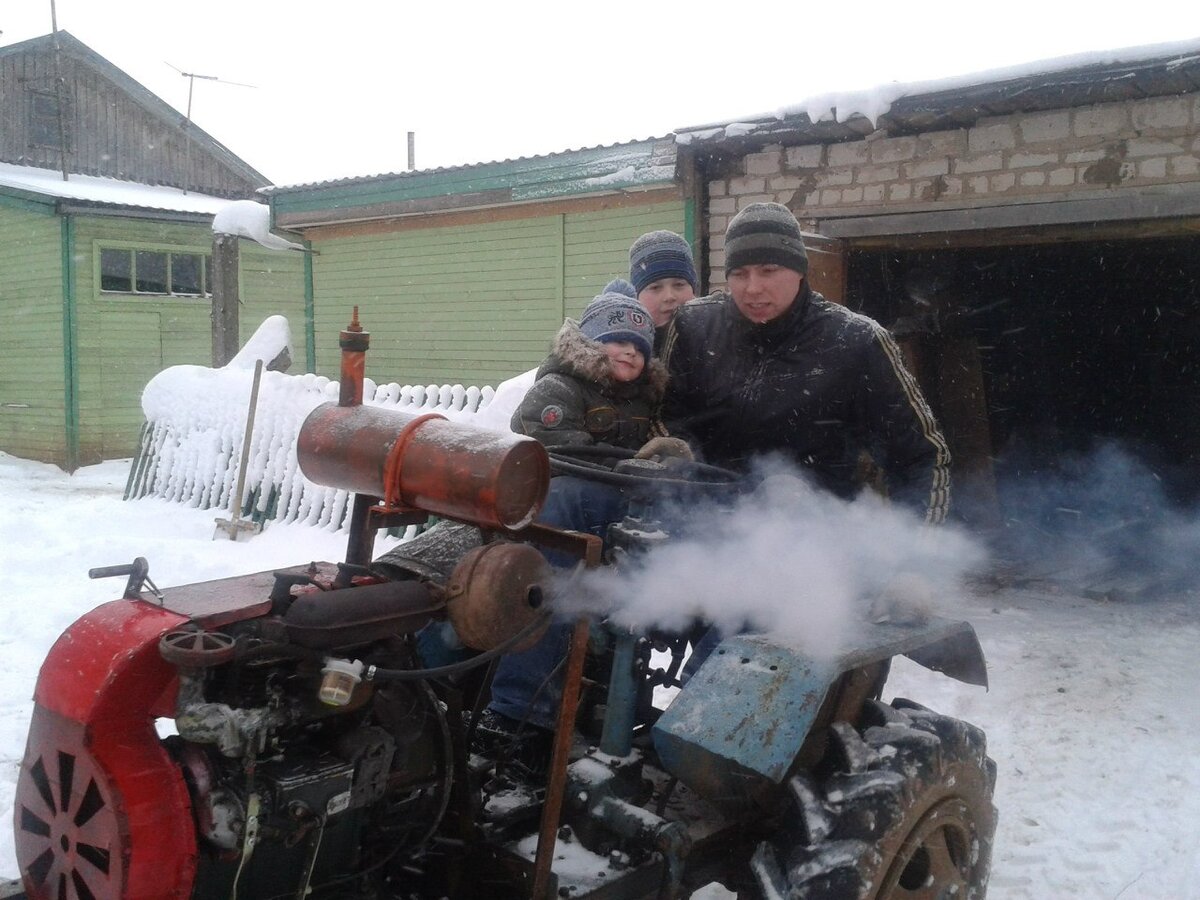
(412, 150)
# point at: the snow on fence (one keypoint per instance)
(191, 442)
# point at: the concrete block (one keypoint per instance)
(874, 193)
(766, 163)
(852, 195)
(717, 189)
(1150, 146)
(928, 168)
(716, 241)
(784, 183)
(978, 184)
(987, 162)
(830, 198)
(1104, 119)
(876, 174)
(889, 150)
(952, 186)
(1185, 166)
(1162, 113)
(724, 205)
(809, 156)
(1153, 168)
(716, 259)
(854, 153)
(1021, 160)
(717, 224)
(984, 138)
(1083, 156)
(746, 200)
(1002, 182)
(942, 143)
(1033, 179)
(1035, 129)
(1062, 177)
(900, 192)
(740, 186)
(835, 178)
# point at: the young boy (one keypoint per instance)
(600, 383)
(663, 275)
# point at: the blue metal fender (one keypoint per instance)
(737, 725)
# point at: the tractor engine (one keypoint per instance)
(273, 735)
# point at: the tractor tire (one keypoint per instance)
(906, 812)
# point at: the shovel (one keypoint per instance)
(235, 525)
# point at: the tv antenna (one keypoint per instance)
(187, 121)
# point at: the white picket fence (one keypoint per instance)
(191, 442)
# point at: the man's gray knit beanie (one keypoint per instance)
(616, 317)
(661, 254)
(765, 234)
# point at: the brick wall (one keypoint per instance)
(1061, 154)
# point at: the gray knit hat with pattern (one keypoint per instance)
(658, 255)
(765, 234)
(616, 317)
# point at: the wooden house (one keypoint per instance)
(464, 274)
(106, 276)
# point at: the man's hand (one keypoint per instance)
(665, 448)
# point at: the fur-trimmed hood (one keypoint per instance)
(578, 356)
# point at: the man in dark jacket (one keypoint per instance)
(773, 367)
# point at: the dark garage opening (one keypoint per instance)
(1069, 370)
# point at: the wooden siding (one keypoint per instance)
(471, 304)
(272, 283)
(32, 414)
(124, 340)
(109, 133)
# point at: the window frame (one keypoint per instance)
(133, 248)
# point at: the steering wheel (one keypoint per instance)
(618, 466)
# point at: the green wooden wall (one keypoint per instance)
(32, 406)
(121, 341)
(471, 304)
(124, 341)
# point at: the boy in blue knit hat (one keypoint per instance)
(600, 383)
(663, 275)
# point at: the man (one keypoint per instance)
(772, 367)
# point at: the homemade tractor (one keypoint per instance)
(278, 735)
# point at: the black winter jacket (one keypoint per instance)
(819, 384)
(575, 400)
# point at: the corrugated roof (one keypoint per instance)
(442, 170)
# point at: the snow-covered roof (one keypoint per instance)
(112, 192)
(1081, 78)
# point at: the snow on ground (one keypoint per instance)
(1092, 716)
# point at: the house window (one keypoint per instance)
(44, 127)
(156, 272)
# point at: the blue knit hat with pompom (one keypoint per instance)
(615, 317)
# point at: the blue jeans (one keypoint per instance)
(523, 688)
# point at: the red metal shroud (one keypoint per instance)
(101, 810)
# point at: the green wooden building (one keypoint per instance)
(105, 276)
(464, 274)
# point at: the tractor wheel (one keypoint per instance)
(906, 812)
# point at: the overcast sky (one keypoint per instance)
(337, 85)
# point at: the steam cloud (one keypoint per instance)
(787, 558)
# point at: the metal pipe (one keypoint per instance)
(354, 343)
(617, 737)
(564, 733)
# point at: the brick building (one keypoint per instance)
(1032, 238)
